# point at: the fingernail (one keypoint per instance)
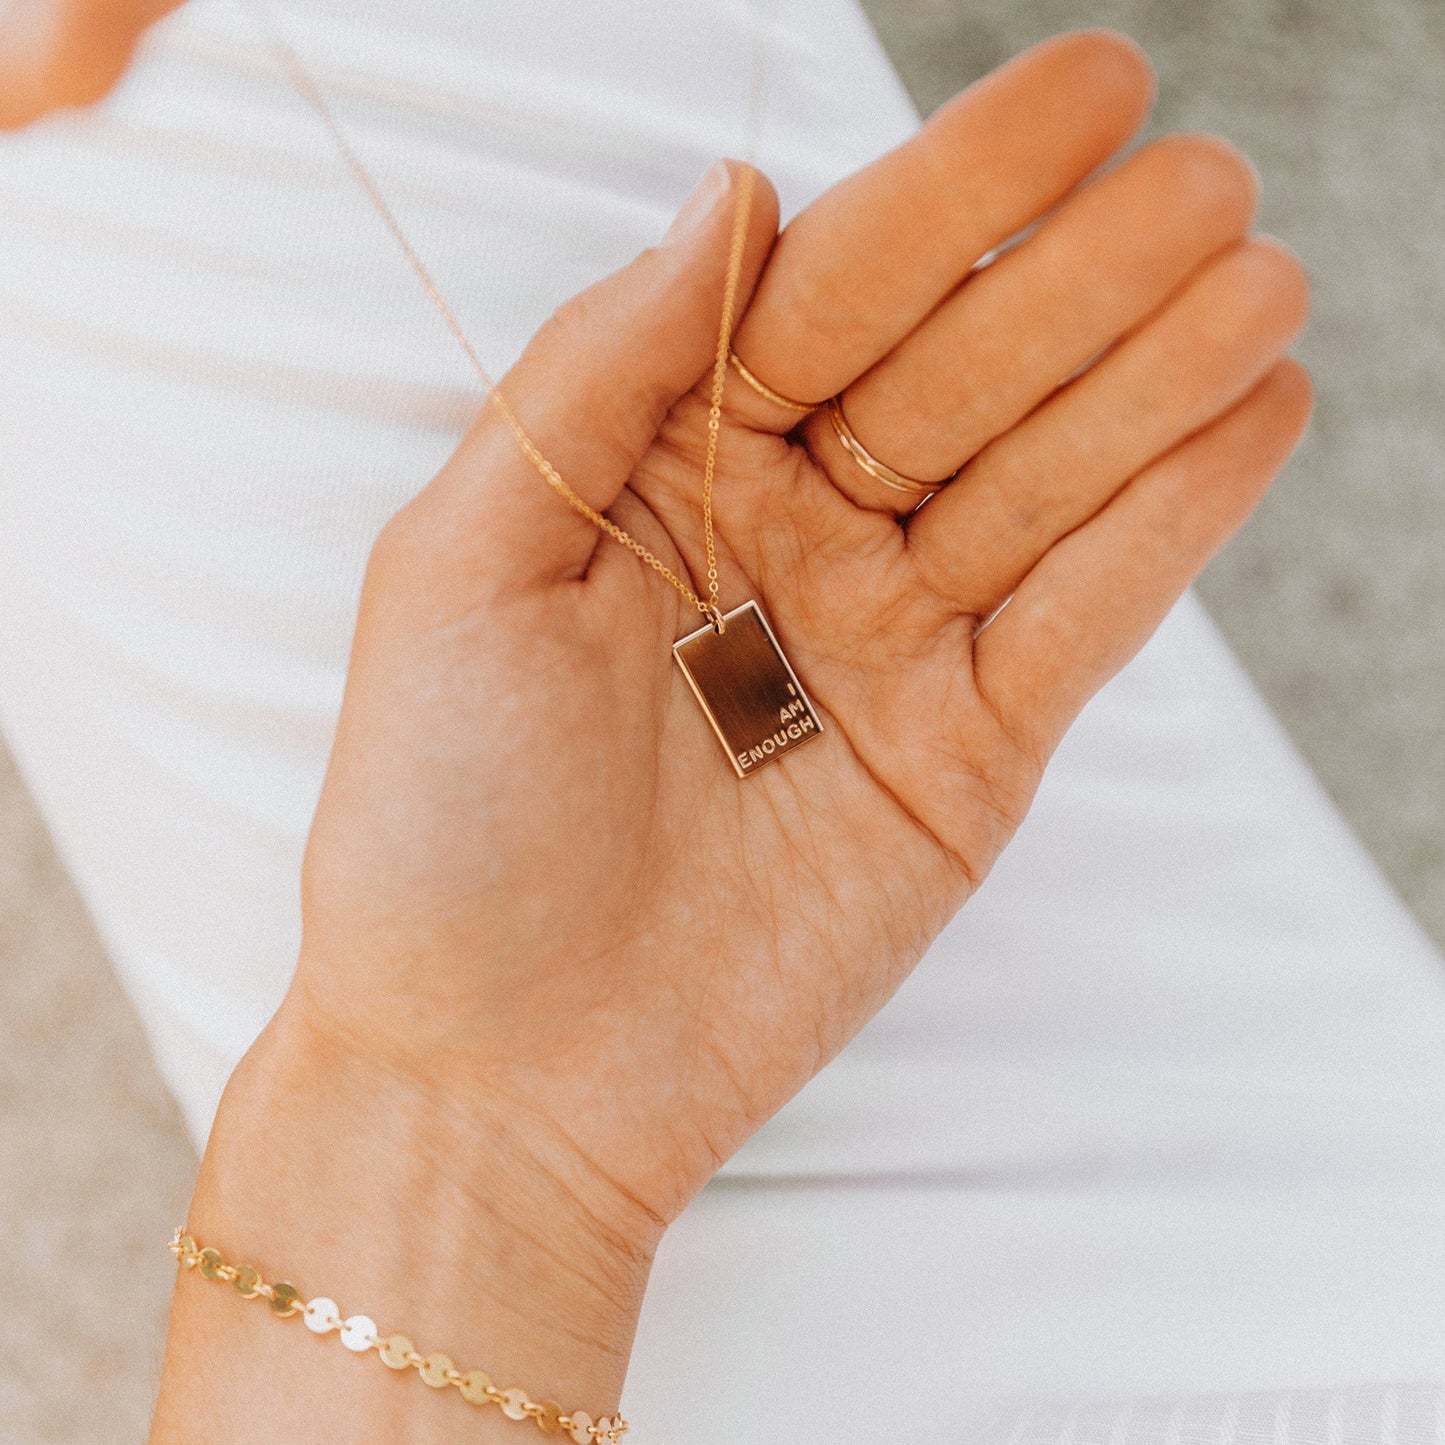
(702, 202)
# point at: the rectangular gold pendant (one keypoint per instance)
(742, 681)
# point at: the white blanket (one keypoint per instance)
(1162, 1113)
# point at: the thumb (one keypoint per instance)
(591, 390)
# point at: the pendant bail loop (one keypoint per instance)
(714, 615)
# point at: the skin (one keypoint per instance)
(559, 962)
(57, 54)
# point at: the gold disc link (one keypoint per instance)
(396, 1352)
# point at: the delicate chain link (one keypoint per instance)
(302, 79)
(719, 380)
(360, 1335)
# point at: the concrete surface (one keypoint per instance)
(95, 1168)
(1334, 596)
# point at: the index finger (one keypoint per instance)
(857, 270)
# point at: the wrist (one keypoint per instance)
(442, 1217)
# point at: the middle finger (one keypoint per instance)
(1015, 331)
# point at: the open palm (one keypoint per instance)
(534, 877)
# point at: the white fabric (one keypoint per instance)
(1160, 1114)
(1377, 1415)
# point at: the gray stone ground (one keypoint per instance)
(1334, 597)
(94, 1165)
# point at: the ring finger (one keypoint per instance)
(1015, 330)
(1189, 364)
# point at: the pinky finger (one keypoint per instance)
(1093, 600)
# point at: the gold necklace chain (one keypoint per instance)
(295, 69)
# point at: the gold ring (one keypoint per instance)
(870, 464)
(763, 390)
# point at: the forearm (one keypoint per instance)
(433, 1216)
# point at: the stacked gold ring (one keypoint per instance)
(879, 471)
(765, 391)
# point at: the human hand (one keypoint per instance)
(559, 961)
(534, 884)
(55, 54)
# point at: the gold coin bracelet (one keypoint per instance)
(360, 1334)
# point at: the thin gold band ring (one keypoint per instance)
(764, 390)
(879, 471)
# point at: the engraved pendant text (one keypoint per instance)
(749, 693)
